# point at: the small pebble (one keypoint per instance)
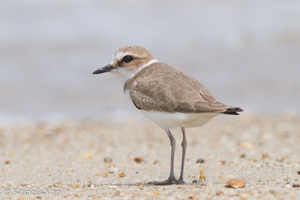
(77, 186)
(7, 162)
(141, 187)
(222, 177)
(121, 175)
(298, 172)
(200, 160)
(107, 160)
(219, 192)
(88, 156)
(138, 160)
(10, 154)
(281, 159)
(235, 183)
(264, 156)
(156, 194)
(105, 175)
(202, 175)
(222, 162)
(243, 155)
(246, 145)
(56, 185)
(155, 162)
(117, 193)
(113, 169)
(191, 197)
(296, 185)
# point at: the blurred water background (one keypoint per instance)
(246, 52)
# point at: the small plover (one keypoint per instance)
(165, 95)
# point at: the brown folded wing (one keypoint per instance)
(159, 87)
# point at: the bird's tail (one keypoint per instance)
(233, 111)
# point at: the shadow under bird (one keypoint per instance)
(165, 95)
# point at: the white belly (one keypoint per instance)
(171, 120)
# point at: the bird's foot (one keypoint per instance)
(169, 181)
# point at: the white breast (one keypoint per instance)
(171, 120)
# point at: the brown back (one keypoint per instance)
(160, 87)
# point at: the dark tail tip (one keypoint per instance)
(233, 111)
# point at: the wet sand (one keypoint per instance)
(94, 159)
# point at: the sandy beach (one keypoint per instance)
(98, 159)
(68, 134)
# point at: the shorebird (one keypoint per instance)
(165, 95)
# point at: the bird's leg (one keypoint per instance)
(173, 146)
(171, 179)
(184, 145)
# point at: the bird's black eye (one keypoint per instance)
(127, 59)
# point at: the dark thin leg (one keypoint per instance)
(184, 145)
(171, 179)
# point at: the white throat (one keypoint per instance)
(125, 74)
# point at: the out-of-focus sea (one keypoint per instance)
(247, 53)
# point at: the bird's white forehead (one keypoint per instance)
(118, 56)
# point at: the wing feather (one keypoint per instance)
(162, 88)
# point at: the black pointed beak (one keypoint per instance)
(107, 68)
